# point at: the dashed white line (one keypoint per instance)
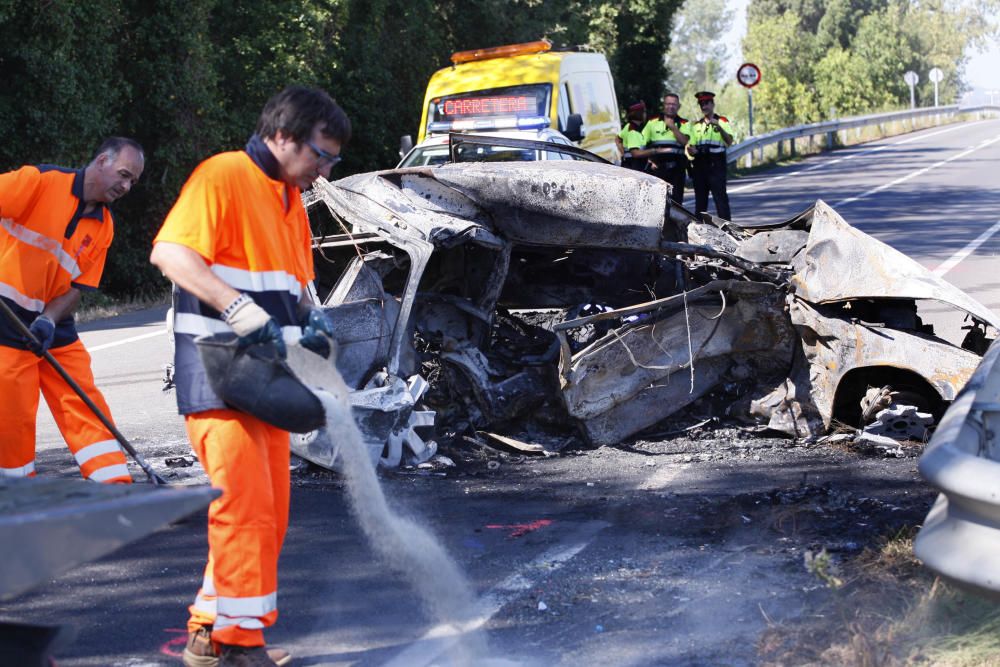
(918, 172)
(957, 258)
(441, 638)
(123, 341)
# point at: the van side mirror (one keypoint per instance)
(574, 127)
(405, 145)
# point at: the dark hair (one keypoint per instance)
(673, 95)
(297, 110)
(113, 145)
(636, 114)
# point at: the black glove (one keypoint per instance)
(253, 325)
(44, 331)
(269, 334)
(317, 333)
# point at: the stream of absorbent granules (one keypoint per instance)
(401, 543)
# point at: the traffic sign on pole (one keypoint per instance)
(749, 76)
(911, 79)
(935, 75)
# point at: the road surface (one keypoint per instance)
(676, 551)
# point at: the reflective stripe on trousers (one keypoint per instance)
(22, 375)
(248, 460)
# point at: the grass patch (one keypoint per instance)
(890, 611)
(98, 306)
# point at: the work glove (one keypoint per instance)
(253, 325)
(44, 331)
(317, 333)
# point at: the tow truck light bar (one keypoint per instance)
(507, 50)
(487, 124)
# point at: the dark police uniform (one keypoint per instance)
(709, 168)
(670, 161)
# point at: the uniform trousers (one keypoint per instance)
(710, 176)
(247, 460)
(674, 173)
(22, 375)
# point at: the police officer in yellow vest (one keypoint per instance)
(665, 139)
(630, 140)
(709, 136)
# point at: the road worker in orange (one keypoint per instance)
(237, 246)
(55, 229)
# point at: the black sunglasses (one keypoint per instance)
(322, 156)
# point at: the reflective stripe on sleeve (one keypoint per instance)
(110, 472)
(258, 281)
(26, 302)
(22, 471)
(96, 449)
(42, 242)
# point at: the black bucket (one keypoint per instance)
(256, 381)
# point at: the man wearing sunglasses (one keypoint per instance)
(238, 248)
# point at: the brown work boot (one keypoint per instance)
(200, 652)
(245, 656)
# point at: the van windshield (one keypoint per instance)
(497, 107)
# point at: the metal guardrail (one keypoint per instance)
(747, 147)
(960, 537)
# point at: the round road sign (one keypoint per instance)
(935, 75)
(911, 78)
(748, 75)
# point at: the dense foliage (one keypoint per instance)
(828, 58)
(187, 78)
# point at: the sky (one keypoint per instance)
(982, 71)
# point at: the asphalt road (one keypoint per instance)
(678, 551)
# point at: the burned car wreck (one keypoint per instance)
(562, 296)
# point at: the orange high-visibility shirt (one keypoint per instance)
(233, 214)
(47, 244)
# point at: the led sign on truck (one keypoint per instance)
(460, 107)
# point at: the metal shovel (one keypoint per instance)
(126, 445)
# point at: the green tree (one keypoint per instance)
(785, 95)
(62, 85)
(697, 56)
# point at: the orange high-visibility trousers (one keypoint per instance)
(22, 374)
(248, 460)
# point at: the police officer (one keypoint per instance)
(630, 140)
(708, 138)
(665, 138)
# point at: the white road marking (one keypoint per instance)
(918, 172)
(439, 639)
(827, 163)
(957, 258)
(123, 341)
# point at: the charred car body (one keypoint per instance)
(563, 294)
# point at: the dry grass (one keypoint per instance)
(97, 306)
(890, 612)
